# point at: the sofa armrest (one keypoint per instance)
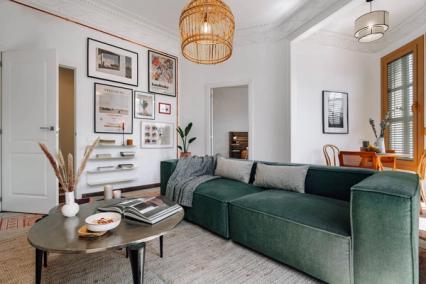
(385, 228)
(166, 170)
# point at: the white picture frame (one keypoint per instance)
(144, 104)
(157, 135)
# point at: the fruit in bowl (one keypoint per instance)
(103, 222)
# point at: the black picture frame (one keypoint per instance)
(154, 100)
(326, 129)
(150, 90)
(104, 78)
(95, 110)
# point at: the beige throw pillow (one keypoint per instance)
(282, 177)
(234, 169)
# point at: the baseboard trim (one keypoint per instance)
(123, 190)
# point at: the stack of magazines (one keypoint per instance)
(148, 210)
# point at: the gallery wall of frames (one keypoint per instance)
(122, 105)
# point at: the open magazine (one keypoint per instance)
(149, 210)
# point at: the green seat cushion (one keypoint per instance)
(210, 203)
(311, 233)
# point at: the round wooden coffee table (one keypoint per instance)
(56, 233)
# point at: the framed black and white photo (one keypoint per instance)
(111, 63)
(335, 117)
(144, 105)
(113, 109)
(155, 135)
(161, 74)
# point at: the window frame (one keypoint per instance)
(417, 48)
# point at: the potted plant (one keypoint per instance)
(68, 179)
(185, 142)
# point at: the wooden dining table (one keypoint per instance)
(377, 161)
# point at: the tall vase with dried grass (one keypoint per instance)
(68, 180)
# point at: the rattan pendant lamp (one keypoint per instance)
(207, 31)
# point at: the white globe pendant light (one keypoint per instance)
(371, 26)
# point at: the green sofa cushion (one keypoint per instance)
(308, 232)
(210, 203)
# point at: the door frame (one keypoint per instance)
(209, 112)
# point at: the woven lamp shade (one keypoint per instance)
(207, 31)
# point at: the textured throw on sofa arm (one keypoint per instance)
(166, 170)
(385, 228)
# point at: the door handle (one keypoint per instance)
(50, 128)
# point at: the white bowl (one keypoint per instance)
(93, 226)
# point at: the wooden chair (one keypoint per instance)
(353, 159)
(334, 151)
(421, 173)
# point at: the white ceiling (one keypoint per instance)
(342, 22)
(248, 13)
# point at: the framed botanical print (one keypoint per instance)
(144, 105)
(335, 117)
(111, 63)
(161, 74)
(113, 109)
(164, 108)
(156, 135)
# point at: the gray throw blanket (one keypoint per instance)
(188, 175)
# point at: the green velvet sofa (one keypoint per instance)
(350, 226)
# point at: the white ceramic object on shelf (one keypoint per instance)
(108, 192)
(70, 208)
(92, 221)
(381, 145)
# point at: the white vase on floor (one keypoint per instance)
(70, 208)
(381, 145)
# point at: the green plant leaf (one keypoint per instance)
(188, 129)
(180, 148)
(192, 140)
(180, 131)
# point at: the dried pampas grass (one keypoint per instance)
(65, 171)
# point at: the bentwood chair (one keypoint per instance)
(354, 159)
(331, 154)
(421, 168)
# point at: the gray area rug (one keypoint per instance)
(191, 255)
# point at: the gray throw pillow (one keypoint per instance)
(282, 177)
(234, 169)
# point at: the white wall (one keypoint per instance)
(315, 68)
(22, 28)
(230, 113)
(265, 68)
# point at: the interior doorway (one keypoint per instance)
(66, 113)
(230, 121)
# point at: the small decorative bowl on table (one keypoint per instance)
(103, 222)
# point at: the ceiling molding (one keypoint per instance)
(412, 24)
(95, 14)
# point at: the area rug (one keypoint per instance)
(191, 255)
(12, 221)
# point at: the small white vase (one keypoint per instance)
(381, 145)
(70, 208)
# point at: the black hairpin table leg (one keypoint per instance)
(137, 261)
(45, 258)
(38, 265)
(161, 246)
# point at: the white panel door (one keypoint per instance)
(29, 116)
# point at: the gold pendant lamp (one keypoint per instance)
(207, 31)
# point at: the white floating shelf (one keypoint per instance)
(114, 146)
(110, 170)
(112, 181)
(111, 158)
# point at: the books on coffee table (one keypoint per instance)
(148, 210)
